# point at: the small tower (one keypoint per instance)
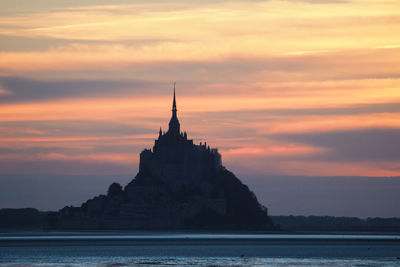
(174, 125)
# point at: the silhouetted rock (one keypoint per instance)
(114, 190)
(179, 185)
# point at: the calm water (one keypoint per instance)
(81, 249)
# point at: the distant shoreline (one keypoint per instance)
(32, 221)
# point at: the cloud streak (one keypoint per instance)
(356, 145)
(27, 90)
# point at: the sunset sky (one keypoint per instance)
(282, 88)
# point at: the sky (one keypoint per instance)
(298, 94)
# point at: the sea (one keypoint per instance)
(76, 249)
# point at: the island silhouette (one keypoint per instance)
(179, 185)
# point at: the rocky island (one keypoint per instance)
(180, 185)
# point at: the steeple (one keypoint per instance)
(174, 102)
(174, 126)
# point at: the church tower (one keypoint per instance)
(174, 125)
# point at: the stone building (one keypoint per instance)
(176, 160)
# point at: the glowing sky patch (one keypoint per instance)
(93, 81)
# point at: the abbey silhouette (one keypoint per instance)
(179, 185)
(176, 160)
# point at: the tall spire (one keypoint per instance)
(174, 102)
(174, 126)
